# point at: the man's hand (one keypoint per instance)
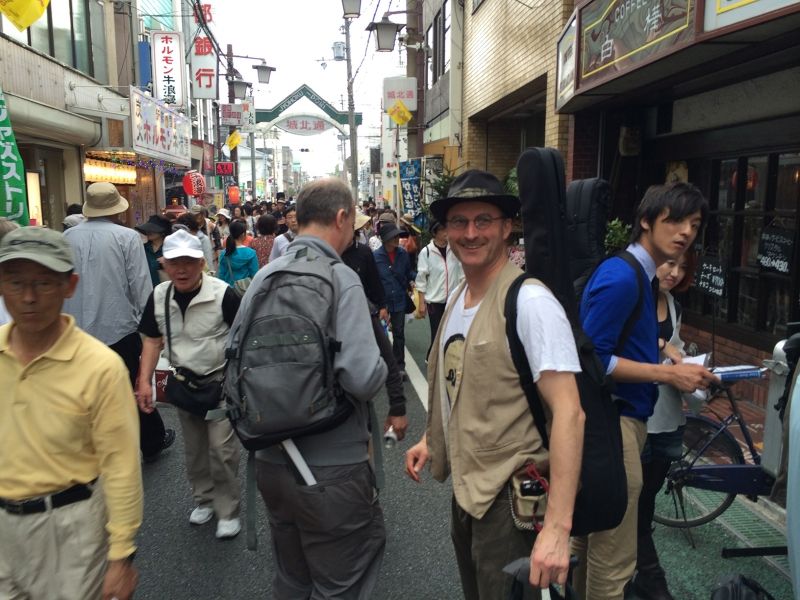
(144, 396)
(120, 581)
(550, 557)
(400, 424)
(422, 309)
(688, 377)
(384, 314)
(416, 457)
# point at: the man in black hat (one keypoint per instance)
(480, 428)
(397, 277)
(156, 229)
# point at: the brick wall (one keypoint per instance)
(506, 46)
(729, 352)
(582, 146)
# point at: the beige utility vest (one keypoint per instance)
(490, 433)
(198, 337)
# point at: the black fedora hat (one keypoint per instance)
(390, 231)
(476, 186)
(155, 224)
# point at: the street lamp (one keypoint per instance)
(385, 33)
(351, 9)
(263, 71)
(240, 86)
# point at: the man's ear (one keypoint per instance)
(644, 224)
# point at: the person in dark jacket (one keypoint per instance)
(358, 257)
(397, 275)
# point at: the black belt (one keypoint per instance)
(38, 505)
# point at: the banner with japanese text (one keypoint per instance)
(410, 173)
(13, 197)
(204, 59)
(168, 66)
(159, 131)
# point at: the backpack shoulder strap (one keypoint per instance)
(166, 318)
(632, 319)
(520, 359)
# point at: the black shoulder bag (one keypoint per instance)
(196, 394)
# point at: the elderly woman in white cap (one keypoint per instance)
(223, 223)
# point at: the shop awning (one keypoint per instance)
(37, 120)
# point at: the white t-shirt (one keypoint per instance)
(542, 327)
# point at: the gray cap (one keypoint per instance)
(38, 244)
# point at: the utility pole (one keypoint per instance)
(351, 114)
(231, 100)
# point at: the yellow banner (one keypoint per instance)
(399, 113)
(233, 139)
(23, 13)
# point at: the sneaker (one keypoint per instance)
(169, 439)
(228, 528)
(201, 514)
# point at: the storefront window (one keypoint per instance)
(98, 38)
(40, 35)
(80, 31)
(446, 37)
(753, 231)
(62, 31)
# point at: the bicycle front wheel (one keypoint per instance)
(678, 503)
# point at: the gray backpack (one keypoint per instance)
(279, 379)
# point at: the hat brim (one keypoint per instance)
(183, 252)
(509, 205)
(360, 221)
(120, 206)
(48, 262)
(151, 228)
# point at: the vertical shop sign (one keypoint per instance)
(410, 172)
(13, 199)
(168, 67)
(159, 131)
(249, 115)
(204, 60)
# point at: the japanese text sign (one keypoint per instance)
(248, 115)
(618, 35)
(13, 199)
(23, 13)
(231, 115)
(775, 250)
(710, 277)
(399, 113)
(400, 88)
(159, 131)
(168, 67)
(303, 124)
(203, 61)
(410, 172)
(224, 169)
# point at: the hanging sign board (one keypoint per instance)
(303, 125)
(399, 113)
(231, 115)
(203, 59)
(567, 61)
(775, 250)
(710, 277)
(400, 88)
(224, 169)
(410, 172)
(13, 199)
(159, 131)
(248, 116)
(23, 13)
(168, 67)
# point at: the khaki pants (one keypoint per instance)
(212, 463)
(59, 554)
(607, 559)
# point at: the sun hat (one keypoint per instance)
(389, 231)
(225, 213)
(103, 200)
(386, 217)
(155, 224)
(475, 185)
(408, 220)
(197, 209)
(41, 245)
(182, 243)
(361, 220)
(72, 220)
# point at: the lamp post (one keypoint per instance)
(351, 9)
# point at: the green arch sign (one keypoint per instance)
(304, 91)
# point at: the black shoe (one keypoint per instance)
(650, 588)
(169, 439)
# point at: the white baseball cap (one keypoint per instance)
(182, 243)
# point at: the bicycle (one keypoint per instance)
(713, 467)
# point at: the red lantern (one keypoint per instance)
(194, 184)
(233, 194)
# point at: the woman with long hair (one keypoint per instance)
(238, 261)
(664, 428)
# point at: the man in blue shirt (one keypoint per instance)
(666, 225)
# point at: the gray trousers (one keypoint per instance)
(327, 539)
(484, 546)
(212, 462)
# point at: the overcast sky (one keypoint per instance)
(292, 35)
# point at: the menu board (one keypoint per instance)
(775, 249)
(710, 277)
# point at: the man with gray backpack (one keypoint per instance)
(303, 366)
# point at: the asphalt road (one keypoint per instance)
(179, 561)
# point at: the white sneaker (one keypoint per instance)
(228, 528)
(201, 514)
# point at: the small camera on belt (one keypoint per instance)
(531, 487)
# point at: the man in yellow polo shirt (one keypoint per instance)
(70, 478)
